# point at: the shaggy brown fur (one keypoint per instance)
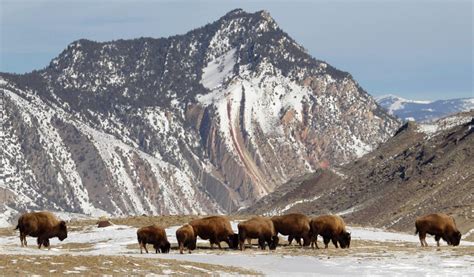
(186, 238)
(330, 227)
(215, 229)
(43, 225)
(260, 228)
(294, 225)
(442, 226)
(155, 235)
(103, 223)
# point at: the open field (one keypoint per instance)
(11, 265)
(114, 250)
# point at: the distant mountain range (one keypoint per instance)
(423, 110)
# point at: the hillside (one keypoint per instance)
(422, 169)
(205, 122)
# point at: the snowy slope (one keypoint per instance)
(424, 110)
(123, 166)
(402, 257)
(205, 122)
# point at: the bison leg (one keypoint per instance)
(269, 241)
(437, 238)
(212, 244)
(43, 241)
(144, 246)
(242, 244)
(334, 241)
(314, 241)
(23, 239)
(181, 248)
(306, 241)
(261, 243)
(219, 245)
(249, 242)
(422, 236)
(326, 242)
(46, 244)
(290, 239)
(39, 241)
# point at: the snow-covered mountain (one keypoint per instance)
(424, 110)
(204, 122)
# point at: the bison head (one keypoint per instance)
(345, 240)
(165, 247)
(455, 238)
(274, 243)
(62, 232)
(233, 241)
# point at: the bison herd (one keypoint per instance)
(217, 229)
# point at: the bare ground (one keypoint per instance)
(52, 265)
(80, 262)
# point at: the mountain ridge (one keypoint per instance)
(424, 111)
(223, 114)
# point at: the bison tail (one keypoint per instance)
(416, 231)
(17, 227)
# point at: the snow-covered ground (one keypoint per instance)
(403, 257)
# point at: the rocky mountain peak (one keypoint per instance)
(204, 122)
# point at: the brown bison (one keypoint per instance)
(155, 235)
(103, 223)
(215, 229)
(442, 226)
(43, 225)
(330, 227)
(293, 225)
(186, 238)
(260, 228)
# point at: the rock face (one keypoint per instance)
(421, 170)
(423, 111)
(205, 122)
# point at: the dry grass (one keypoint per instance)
(14, 265)
(8, 231)
(164, 221)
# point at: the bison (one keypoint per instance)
(215, 229)
(260, 228)
(330, 227)
(440, 225)
(43, 225)
(155, 235)
(103, 223)
(293, 225)
(186, 238)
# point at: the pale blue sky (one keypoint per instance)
(416, 49)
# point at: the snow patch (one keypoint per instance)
(218, 70)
